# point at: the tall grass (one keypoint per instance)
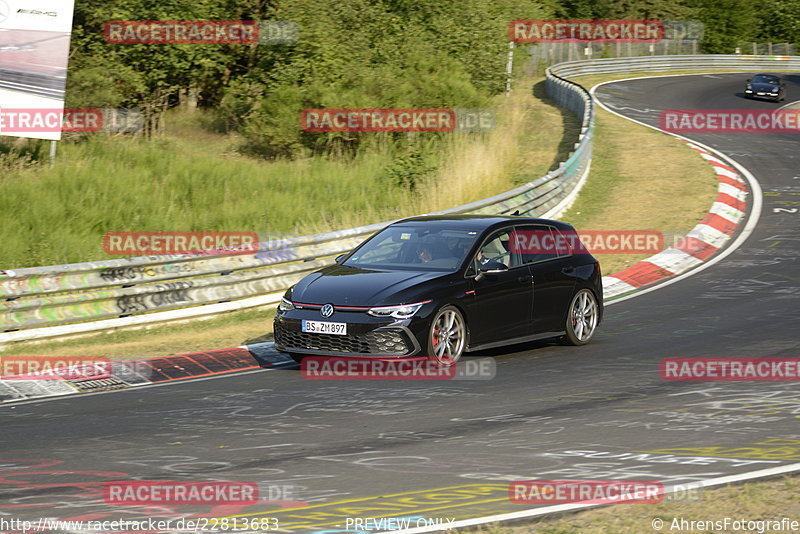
(526, 143)
(193, 179)
(59, 215)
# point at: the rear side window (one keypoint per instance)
(563, 244)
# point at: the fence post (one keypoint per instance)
(509, 67)
(52, 154)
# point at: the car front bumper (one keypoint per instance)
(767, 96)
(366, 336)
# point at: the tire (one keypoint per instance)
(447, 336)
(583, 315)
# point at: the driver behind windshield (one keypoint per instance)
(424, 254)
(490, 256)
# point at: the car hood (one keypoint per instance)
(350, 286)
(764, 87)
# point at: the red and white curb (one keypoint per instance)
(702, 242)
(137, 373)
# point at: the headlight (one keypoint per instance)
(749, 86)
(285, 305)
(398, 312)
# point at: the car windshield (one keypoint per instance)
(415, 248)
(765, 79)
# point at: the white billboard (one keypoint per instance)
(34, 50)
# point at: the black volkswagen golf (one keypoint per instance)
(439, 286)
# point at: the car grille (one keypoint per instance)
(387, 342)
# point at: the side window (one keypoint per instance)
(496, 251)
(563, 242)
(535, 243)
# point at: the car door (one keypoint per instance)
(546, 252)
(502, 306)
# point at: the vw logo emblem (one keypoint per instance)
(326, 310)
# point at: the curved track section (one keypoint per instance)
(448, 450)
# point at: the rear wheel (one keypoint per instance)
(582, 318)
(447, 337)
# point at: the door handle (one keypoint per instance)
(524, 279)
(568, 269)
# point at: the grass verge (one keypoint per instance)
(757, 501)
(195, 335)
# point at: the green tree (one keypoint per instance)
(727, 23)
(779, 21)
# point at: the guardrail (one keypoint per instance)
(58, 300)
(734, 62)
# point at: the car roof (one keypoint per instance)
(476, 221)
(767, 76)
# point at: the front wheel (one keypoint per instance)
(582, 318)
(447, 337)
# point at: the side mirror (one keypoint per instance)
(494, 268)
(748, 79)
(490, 268)
(340, 257)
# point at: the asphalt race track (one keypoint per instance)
(448, 449)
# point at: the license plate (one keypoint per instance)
(323, 327)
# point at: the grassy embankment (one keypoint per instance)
(770, 500)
